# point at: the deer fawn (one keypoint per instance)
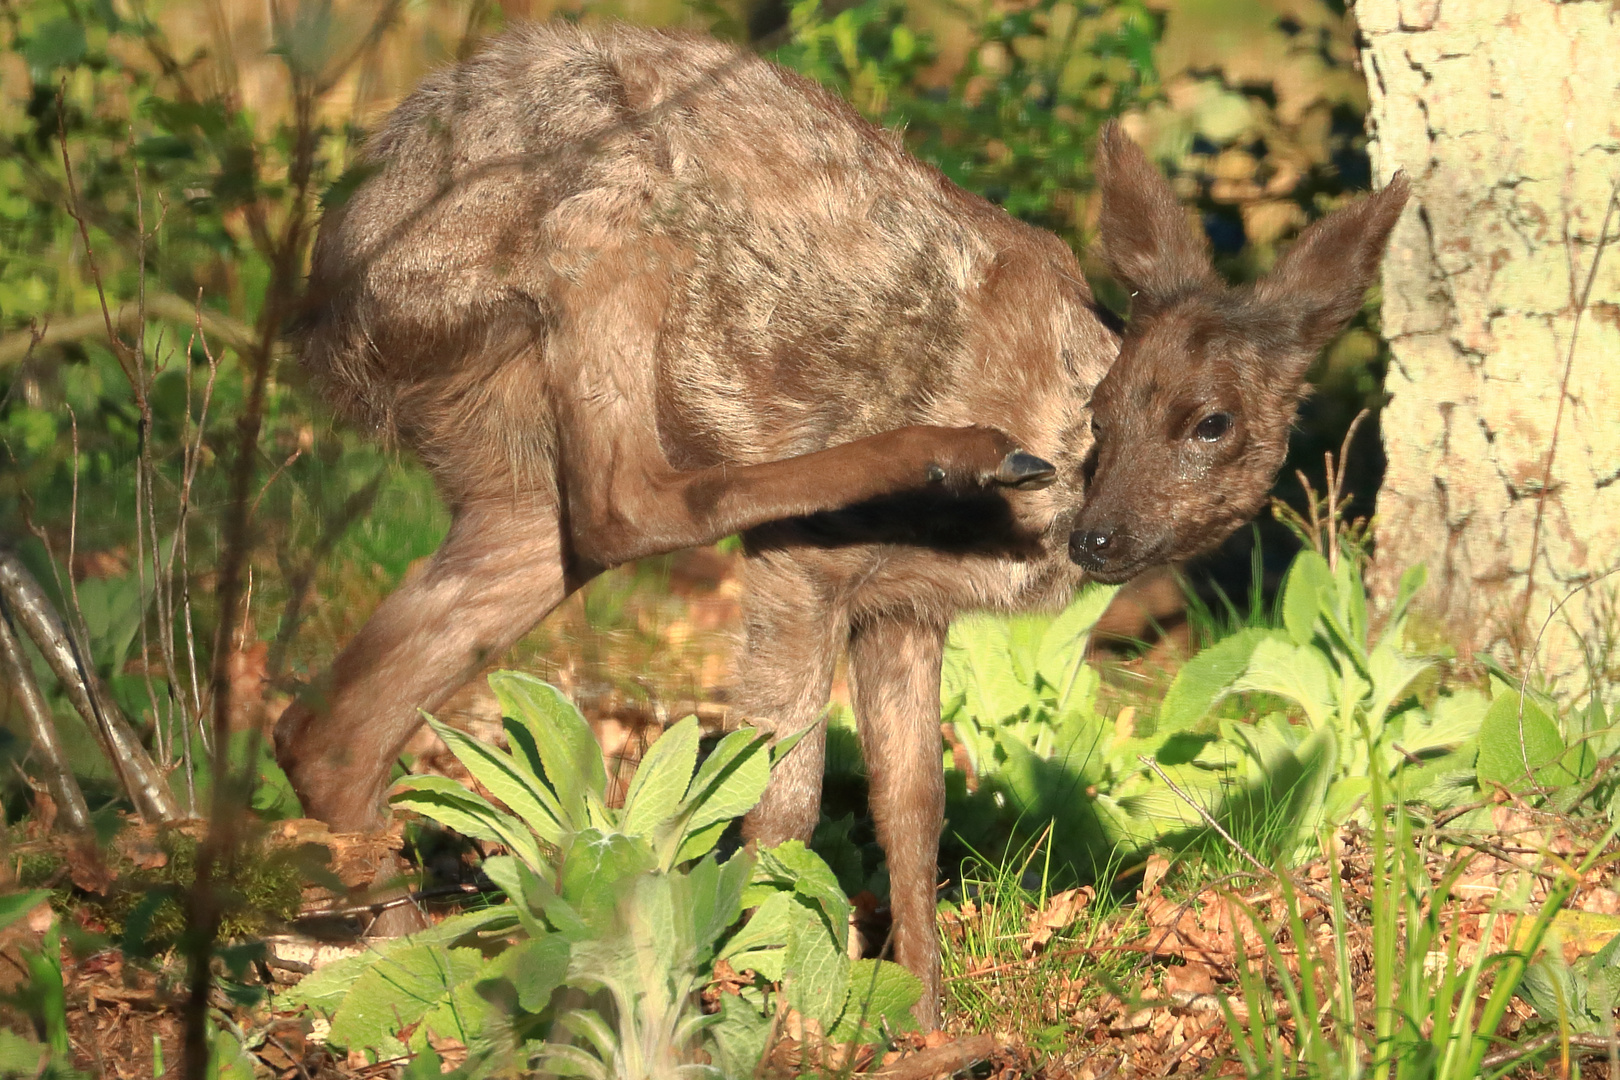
(626, 292)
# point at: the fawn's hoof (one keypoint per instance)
(1025, 471)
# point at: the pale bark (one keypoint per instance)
(1506, 115)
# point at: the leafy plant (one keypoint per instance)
(627, 910)
(1357, 698)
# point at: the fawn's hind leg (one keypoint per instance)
(894, 664)
(500, 570)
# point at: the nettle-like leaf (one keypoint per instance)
(979, 657)
(397, 991)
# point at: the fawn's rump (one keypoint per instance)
(811, 275)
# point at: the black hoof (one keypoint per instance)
(1025, 471)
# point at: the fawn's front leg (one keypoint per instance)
(894, 667)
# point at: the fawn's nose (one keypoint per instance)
(1090, 548)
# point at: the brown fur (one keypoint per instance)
(627, 291)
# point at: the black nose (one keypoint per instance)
(1090, 548)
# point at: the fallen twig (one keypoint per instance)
(956, 1056)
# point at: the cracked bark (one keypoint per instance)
(1506, 115)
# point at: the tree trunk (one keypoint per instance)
(1502, 311)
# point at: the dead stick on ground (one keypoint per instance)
(955, 1056)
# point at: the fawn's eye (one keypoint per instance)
(1212, 427)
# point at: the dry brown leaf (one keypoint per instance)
(1059, 913)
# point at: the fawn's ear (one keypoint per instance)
(1322, 279)
(1144, 236)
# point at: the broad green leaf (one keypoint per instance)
(1307, 593)
(1209, 677)
(700, 843)
(456, 807)
(1453, 720)
(397, 990)
(761, 943)
(1297, 672)
(711, 895)
(881, 995)
(738, 1040)
(596, 868)
(795, 865)
(1519, 746)
(227, 1060)
(325, 990)
(816, 968)
(980, 648)
(525, 796)
(661, 779)
(1062, 654)
(535, 968)
(1393, 674)
(562, 739)
(19, 1056)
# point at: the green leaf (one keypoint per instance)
(324, 990)
(467, 812)
(58, 43)
(595, 867)
(1299, 673)
(1062, 656)
(761, 943)
(1209, 677)
(729, 783)
(20, 1057)
(739, 1038)
(881, 995)
(1393, 674)
(396, 991)
(534, 968)
(1411, 583)
(816, 968)
(1307, 593)
(525, 795)
(567, 750)
(795, 865)
(661, 779)
(980, 650)
(1520, 745)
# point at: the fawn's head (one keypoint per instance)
(1191, 421)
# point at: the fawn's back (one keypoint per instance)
(800, 281)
